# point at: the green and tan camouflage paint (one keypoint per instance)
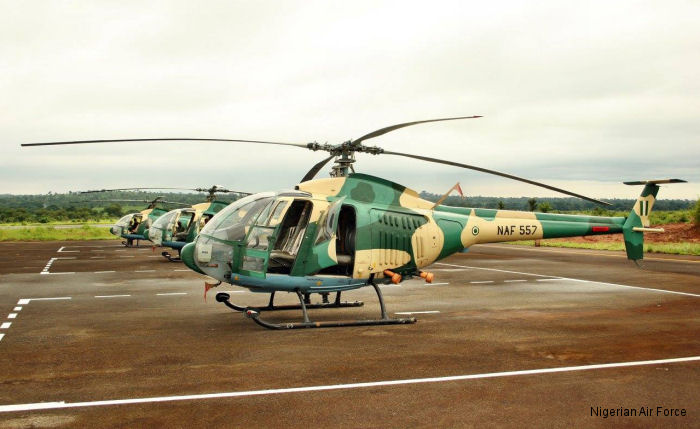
(399, 231)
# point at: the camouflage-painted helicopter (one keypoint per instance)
(180, 226)
(355, 230)
(134, 226)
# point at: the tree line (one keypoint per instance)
(75, 206)
(568, 204)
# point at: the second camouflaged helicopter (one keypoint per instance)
(180, 226)
(355, 230)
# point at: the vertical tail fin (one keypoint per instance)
(638, 218)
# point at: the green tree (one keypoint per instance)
(545, 207)
(114, 210)
(532, 204)
(501, 205)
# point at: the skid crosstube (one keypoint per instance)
(254, 312)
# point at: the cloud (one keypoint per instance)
(568, 92)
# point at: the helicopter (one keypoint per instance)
(354, 230)
(134, 226)
(178, 227)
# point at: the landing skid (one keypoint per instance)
(130, 243)
(170, 257)
(254, 312)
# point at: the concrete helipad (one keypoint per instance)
(95, 334)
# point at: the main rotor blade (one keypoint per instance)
(498, 173)
(315, 169)
(221, 190)
(173, 202)
(135, 201)
(132, 189)
(161, 139)
(115, 201)
(385, 130)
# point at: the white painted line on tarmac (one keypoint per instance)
(48, 266)
(115, 245)
(171, 293)
(552, 278)
(58, 298)
(62, 404)
(66, 272)
(514, 281)
(145, 271)
(12, 316)
(17, 309)
(110, 296)
(121, 256)
(436, 284)
(67, 257)
(6, 325)
(493, 269)
(634, 287)
(584, 252)
(482, 282)
(66, 251)
(183, 270)
(97, 257)
(419, 312)
(103, 272)
(2, 336)
(549, 280)
(23, 301)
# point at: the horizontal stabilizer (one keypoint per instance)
(655, 182)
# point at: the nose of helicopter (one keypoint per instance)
(154, 235)
(187, 256)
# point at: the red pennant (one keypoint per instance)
(207, 286)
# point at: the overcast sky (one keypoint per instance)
(581, 95)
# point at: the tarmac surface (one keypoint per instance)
(95, 334)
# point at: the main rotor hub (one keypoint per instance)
(343, 164)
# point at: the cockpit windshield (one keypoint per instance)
(125, 220)
(233, 222)
(163, 221)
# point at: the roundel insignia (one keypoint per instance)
(475, 230)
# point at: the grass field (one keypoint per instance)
(62, 222)
(670, 248)
(47, 233)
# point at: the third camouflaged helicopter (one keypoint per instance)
(355, 230)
